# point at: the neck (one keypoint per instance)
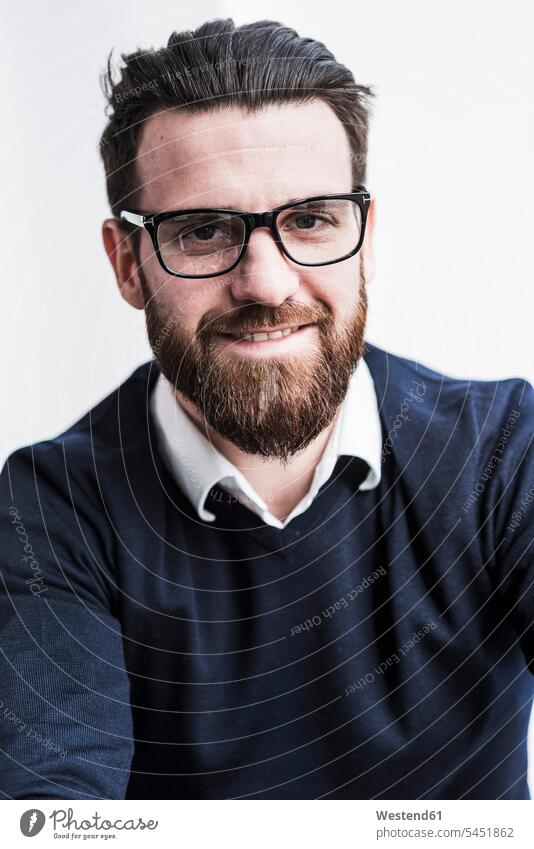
(281, 485)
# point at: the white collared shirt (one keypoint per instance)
(197, 465)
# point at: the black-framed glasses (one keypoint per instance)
(195, 243)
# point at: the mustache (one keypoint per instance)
(244, 319)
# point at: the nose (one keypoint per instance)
(264, 274)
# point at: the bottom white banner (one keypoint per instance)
(262, 825)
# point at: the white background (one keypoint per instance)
(450, 167)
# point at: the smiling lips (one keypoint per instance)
(263, 335)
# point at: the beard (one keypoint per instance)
(268, 407)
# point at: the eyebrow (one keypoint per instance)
(290, 200)
(238, 209)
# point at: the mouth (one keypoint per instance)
(264, 334)
(263, 342)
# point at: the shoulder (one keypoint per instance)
(111, 422)
(438, 391)
(54, 469)
(441, 413)
(60, 499)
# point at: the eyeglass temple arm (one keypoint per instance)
(133, 218)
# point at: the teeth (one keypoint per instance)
(262, 337)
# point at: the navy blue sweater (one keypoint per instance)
(381, 646)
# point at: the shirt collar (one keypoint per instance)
(197, 465)
(360, 433)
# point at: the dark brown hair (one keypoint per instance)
(219, 65)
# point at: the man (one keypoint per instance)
(276, 562)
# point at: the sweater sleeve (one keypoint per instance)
(509, 511)
(65, 717)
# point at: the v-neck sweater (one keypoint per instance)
(381, 646)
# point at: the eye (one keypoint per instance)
(307, 221)
(193, 232)
(203, 233)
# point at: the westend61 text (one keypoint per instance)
(408, 815)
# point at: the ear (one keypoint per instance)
(368, 243)
(120, 253)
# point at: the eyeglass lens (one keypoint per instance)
(311, 232)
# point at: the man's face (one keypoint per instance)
(270, 398)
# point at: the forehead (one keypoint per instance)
(244, 159)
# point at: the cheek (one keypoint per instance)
(185, 301)
(337, 286)
(196, 301)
